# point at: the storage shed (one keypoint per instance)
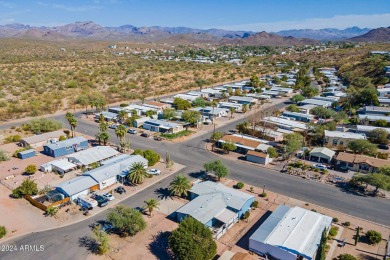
(26, 154)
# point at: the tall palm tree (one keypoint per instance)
(232, 110)
(120, 132)
(151, 204)
(137, 173)
(180, 186)
(72, 122)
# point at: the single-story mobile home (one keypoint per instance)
(65, 147)
(162, 126)
(36, 141)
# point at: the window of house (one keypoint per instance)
(341, 143)
(335, 141)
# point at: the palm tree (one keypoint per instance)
(72, 122)
(232, 110)
(180, 186)
(120, 132)
(137, 173)
(104, 136)
(151, 204)
(122, 115)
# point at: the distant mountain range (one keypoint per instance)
(325, 34)
(376, 35)
(185, 35)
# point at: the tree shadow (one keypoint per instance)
(163, 193)
(89, 243)
(198, 175)
(159, 246)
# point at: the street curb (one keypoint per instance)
(88, 217)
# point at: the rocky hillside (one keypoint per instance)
(376, 35)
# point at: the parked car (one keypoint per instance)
(145, 135)
(320, 166)
(132, 131)
(158, 138)
(154, 171)
(383, 147)
(113, 126)
(102, 201)
(120, 190)
(108, 196)
(207, 122)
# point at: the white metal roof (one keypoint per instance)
(368, 128)
(322, 151)
(63, 164)
(115, 168)
(92, 155)
(284, 122)
(316, 102)
(68, 142)
(295, 230)
(346, 135)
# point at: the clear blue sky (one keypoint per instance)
(256, 15)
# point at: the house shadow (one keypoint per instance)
(163, 193)
(159, 246)
(244, 241)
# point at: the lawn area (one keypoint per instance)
(177, 135)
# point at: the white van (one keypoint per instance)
(85, 202)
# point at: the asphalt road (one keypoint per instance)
(63, 242)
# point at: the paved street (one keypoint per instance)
(64, 241)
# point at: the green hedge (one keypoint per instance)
(177, 135)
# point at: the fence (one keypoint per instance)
(42, 206)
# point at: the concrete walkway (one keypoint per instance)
(333, 246)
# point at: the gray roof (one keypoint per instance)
(76, 185)
(42, 137)
(94, 154)
(368, 128)
(27, 151)
(67, 142)
(245, 99)
(288, 113)
(204, 208)
(212, 201)
(374, 117)
(116, 167)
(162, 123)
(316, 102)
(374, 109)
(234, 198)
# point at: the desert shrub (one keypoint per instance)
(347, 223)
(333, 231)
(31, 169)
(240, 185)
(263, 195)
(246, 215)
(255, 204)
(335, 220)
(3, 156)
(13, 138)
(3, 231)
(373, 237)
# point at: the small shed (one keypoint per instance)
(26, 154)
(257, 157)
(321, 154)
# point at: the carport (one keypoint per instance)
(321, 155)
